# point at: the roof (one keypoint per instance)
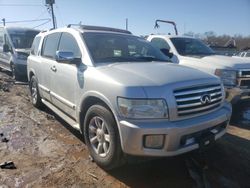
(99, 28)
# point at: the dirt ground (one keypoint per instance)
(48, 153)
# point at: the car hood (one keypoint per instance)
(151, 74)
(223, 62)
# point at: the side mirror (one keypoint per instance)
(66, 57)
(6, 48)
(166, 52)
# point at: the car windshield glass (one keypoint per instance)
(22, 39)
(190, 46)
(113, 48)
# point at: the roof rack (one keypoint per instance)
(99, 28)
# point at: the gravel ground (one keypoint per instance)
(49, 153)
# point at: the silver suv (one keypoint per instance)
(123, 94)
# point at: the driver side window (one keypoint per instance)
(69, 44)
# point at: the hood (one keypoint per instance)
(223, 62)
(151, 74)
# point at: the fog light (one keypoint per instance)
(154, 141)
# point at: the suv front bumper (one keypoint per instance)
(133, 133)
(233, 95)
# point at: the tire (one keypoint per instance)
(35, 95)
(102, 137)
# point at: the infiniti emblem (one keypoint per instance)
(205, 99)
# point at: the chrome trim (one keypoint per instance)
(196, 91)
(192, 105)
(63, 100)
(43, 88)
(197, 104)
(188, 99)
(198, 109)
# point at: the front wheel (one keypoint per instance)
(35, 95)
(102, 137)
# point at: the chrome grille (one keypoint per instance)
(244, 73)
(199, 99)
(244, 78)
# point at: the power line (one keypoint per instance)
(41, 24)
(20, 21)
(18, 5)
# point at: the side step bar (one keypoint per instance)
(66, 118)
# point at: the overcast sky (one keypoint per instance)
(221, 16)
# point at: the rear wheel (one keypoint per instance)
(35, 95)
(102, 137)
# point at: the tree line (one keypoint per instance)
(211, 38)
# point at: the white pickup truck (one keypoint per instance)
(192, 52)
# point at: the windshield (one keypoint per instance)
(190, 46)
(113, 48)
(22, 39)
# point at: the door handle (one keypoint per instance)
(53, 68)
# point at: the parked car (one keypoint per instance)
(192, 52)
(15, 43)
(243, 54)
(123, 95)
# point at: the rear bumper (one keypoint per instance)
(133, 133)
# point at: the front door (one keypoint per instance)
(64, 80)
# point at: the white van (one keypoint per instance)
(15, 44)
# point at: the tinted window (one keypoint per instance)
(50, 45)
(111, 48)
(190, 46)
(69, 44)
(22, 39)
(35, 45)
(160, 43)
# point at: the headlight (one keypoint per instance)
(143, 108)
(228, 77)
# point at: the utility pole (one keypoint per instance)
(50, 3)
(3, 21)
(126, 23)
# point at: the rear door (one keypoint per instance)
(47, 68)
(65, 80)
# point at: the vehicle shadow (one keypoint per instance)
(221, 165)
(157, 172)
(53, 115)
(241, 114)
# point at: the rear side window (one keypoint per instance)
(35, 45)
(160, 43)
(69, 44)
(50, 45)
